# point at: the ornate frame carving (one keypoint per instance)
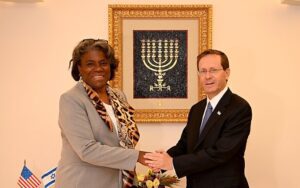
(118, 13)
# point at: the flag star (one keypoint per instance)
(53, 176)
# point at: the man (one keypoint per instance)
(211, 154)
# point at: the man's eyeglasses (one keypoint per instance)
(212, 71)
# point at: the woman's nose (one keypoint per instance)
(98, 66)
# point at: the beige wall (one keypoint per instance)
(261, 38)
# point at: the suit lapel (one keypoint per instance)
(196, 122)
(215, 116)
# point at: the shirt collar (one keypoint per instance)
(215, 100)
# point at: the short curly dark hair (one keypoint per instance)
(90, 44)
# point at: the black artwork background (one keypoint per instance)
(176, 78)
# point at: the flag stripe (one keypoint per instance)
(50, 172)
(24, 182)
(35, 180)
(31, 183)
(50, 183)
(20, 184)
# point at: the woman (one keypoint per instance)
(97, 127)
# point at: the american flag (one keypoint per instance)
(28, 179)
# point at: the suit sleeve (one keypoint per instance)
(181, 147)
(75, 126)
(230, 142)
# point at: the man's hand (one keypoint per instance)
(159, 160)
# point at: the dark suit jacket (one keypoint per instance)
(216, 158)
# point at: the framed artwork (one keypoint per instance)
(157, 46)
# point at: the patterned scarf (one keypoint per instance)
(127, 129)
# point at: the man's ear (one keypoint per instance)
(227, 73)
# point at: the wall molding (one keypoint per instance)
(22, 1)
(291, 2)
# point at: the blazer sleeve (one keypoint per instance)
(75, 126)
(231, 141)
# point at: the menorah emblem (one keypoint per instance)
(159, 56)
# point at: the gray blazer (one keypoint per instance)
(91, 155)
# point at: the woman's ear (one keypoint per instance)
(79, 69)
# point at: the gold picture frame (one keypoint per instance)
(123, 19)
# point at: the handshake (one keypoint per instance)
(158, 160)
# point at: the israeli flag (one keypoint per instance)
(49, 178)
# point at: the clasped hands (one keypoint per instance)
(158, 160)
